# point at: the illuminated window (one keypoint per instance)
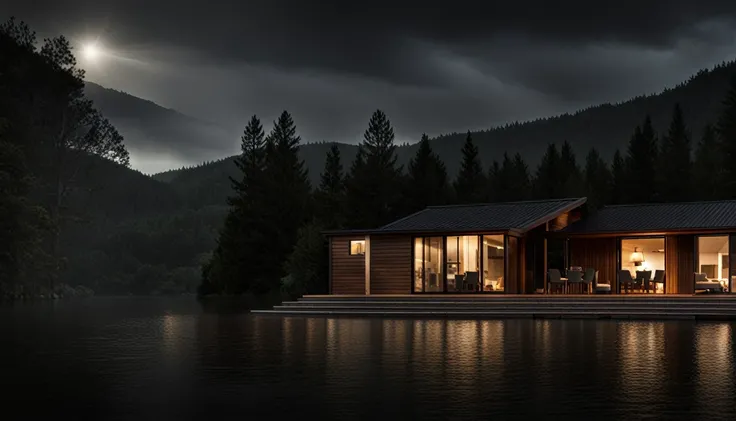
(357, 247)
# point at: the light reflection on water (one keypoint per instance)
(174, 359)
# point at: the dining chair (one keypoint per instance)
(599, 287)
(472, 281)
(460, 283)
(646, 279)
(659, 278)
(625, 280)
(639, 280)
(574, 279)
(589, 278)
(554, 278)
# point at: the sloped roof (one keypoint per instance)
(658, 217)
(510, 216)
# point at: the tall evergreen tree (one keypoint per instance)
(548, 181)
(520, 183)
(708, 167)
(373, 187)
(726, 129)
(235, 263)
(571, 179)
(619, 183)
(330, 197)
(493, 180)
(470, 184)
(509, 181)
(427, 179)
(641, 164)
(674, 171)
(286, 201)
(597, 179)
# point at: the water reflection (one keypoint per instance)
(177, 360)
(714, 361)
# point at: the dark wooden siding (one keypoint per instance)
(390, 260)
(347, 272)
(597, 253)
(671, 285)
(513, 281)
(685, 264)
(680, 265)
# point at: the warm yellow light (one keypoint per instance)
(636, 256)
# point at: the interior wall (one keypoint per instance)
(711, 250)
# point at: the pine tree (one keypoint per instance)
(520, 184)
(510, 181)
(373, 187)
(495, 184)
(307, 265)
(708, 167)
(234, 263)
(547, 183)
(674, 171)
(330, 197)
(427, 179)
(726, 129)
(571, 178)
(470, 184)
(597, 180)
(287, 206)
(641, 164)
(618, 180)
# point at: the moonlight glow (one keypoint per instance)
(91, 52)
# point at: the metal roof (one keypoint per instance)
(658, 217)
(510, 216)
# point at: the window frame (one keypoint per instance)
(350, 248)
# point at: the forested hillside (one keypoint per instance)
(606, 127)
(76, 215)
(152, 131)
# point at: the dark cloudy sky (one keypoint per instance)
(434, 67)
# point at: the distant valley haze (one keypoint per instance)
(434, 70)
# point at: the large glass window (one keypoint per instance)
(463, 263)
(459, 264)
(428, 264)
(713, 266)
(644, 259)
(493, 253)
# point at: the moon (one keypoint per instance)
(91, 52)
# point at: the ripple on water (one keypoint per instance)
(172, 358)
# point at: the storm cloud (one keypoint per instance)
(433, 67)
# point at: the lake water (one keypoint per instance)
(156, 358)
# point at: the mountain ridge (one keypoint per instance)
(153, 133)
(607, 127)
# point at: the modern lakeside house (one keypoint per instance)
(538, 259)
(541, 247)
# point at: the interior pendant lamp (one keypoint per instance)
(637, 257)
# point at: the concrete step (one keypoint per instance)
(624, 307)
(521, 303)
(529, 298)
(431, 307)
(506, 314)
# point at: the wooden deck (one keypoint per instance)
(632, 306)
